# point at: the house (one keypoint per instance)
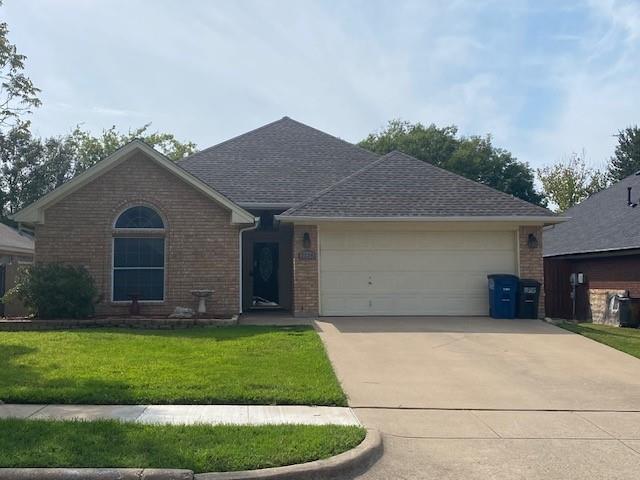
(286, 216)
(16, 250)
(601, 242)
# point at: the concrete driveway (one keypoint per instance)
(477, 398)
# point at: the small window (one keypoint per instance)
(139, 217)
(138, 262)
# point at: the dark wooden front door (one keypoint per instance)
(265, 271)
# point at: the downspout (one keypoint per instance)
(256, 221)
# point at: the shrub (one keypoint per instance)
(55, 291)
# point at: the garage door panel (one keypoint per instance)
(403, 305)
(405, 282)
(418, 261)
(411, 273)
(352, 240)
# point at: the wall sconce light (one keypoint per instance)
(306, 240)
(532, 241)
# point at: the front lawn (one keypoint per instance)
(201, 448)
(236, 365)
(623, 339)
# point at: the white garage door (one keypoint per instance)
(411, 272)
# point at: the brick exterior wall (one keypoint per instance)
(305, 272)
(604, 276)
(531, 262)
(201, 244)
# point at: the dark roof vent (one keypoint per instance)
(629, 202)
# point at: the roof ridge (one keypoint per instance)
(333, 136)
(468, 180)
(333, 186)
(262, 127)
(270, 124)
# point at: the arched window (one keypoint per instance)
(138, 255)
(139, 217)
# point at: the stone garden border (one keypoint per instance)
(11, 325)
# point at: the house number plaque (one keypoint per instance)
(307, 255)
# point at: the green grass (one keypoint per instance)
(624, 339)
(201, 448)
(241, 365)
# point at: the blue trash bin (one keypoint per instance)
(503, 290)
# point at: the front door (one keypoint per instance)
(265, 274)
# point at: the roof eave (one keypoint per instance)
(601, 251)
(522, 219)
(17, 250)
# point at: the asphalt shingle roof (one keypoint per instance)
(398, 185)
(602, 222)
(11, 240)
(283, 162)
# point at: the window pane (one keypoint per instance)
(139, 217)
(148, 284)
(138, 252)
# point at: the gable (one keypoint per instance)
(35, 213)
(399, 186)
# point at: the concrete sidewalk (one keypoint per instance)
(187, 414)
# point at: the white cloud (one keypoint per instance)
(544, 79)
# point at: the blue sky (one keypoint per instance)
(545, 78)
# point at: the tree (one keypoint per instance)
(568, 182)
(626, 158)
(90, 149)
(472, 157)
(18, 95)
(31, 167)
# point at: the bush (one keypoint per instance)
(55, 291)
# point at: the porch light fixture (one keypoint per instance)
(306, 241)
(532, 241)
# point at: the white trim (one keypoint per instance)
(241, 255)
(266, 206)
(318, 263)
(34, 213)
(523, 219)
(518, 252)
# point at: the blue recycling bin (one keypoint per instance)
(503, 293)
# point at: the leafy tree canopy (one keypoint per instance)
(567, 183)
(31, 166)
(472, 157)
(626, 158)
(18, 95)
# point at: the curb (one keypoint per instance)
(94, 474)
(344, 465)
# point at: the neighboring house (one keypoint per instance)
(601, 240)
(287, 216)
(16, 250)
